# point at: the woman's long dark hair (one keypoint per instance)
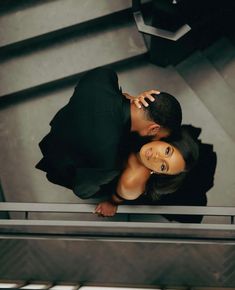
(160, 184)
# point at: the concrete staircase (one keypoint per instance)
(46, 45)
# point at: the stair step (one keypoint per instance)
(211, 88)
(63, 59)
(223, 62)
(49, 16)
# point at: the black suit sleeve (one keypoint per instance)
(90, 180)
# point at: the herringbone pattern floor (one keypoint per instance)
(118, 262)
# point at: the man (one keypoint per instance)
(89, 137)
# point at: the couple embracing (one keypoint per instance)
(106, 142)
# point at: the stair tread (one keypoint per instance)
(49, 16)
(73, 56)
(223, 62)
(211, 88)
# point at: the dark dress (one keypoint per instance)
(88, 140)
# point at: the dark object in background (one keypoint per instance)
(208, 20)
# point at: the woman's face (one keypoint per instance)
(162, 157)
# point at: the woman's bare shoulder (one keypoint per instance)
(133, 180)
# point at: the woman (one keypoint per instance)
(158, 168)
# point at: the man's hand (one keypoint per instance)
(106, 208)
(140, 99)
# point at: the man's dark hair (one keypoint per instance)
(165, 111)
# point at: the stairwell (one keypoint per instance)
(45, 46)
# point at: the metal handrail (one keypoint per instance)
(151, 30)
(123, 209)
(37, 227)
(113, 224)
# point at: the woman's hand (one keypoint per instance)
(106, 208)
(140, 99)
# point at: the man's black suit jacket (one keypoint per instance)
(88, 140)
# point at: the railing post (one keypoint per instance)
(232, 219)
